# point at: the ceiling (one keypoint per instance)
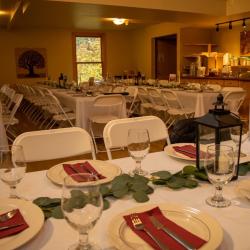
(75, 15)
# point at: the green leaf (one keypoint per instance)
(150, 190)
(57, 213)
(137, 185)
(176, 182)
(164, 175)
(119, 193)
(189, 169)
(121, 179)
(201, 176)
(243, 170)
(140, 196)
(105, 191)
(42, 201)
(159, 182)
(191, 183)
(140, 178)
(106, 204)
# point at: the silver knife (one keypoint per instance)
(159, 226)
(11, 226)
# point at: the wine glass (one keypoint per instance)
(12, 167)
(138, 147)
(82, 206)
(235, 136)
(220, 168)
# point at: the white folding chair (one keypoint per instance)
(159, 105)
(52, 144)
(234, 100)
(105, 109)
(132, 102)
(175, 107)
(146, 101)
(116, 131)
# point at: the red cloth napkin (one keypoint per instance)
(188, 150)
(170, 243)
(81, 168)
(16, 219)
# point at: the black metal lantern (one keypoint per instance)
(216, 128)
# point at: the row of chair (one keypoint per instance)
(10, 102)
(66, 142)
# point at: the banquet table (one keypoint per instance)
(199, 102)
(83, 106)
(57, 234)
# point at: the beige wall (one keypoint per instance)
(143, 45)
(228, 40)
(58, 44)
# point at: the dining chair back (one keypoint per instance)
(105, 109)
(234, 100)
(175, 107)
(116, 131)
(52, 144)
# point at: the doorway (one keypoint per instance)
(165, 56)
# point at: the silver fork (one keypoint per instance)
(138, 225)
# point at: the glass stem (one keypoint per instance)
(83, 240)
(218, 193)
(137, 166)
(13, 193)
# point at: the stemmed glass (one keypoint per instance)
(82, 206)
(12, 167)
(138, 147)
(220, 168)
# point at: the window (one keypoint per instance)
(88, 57)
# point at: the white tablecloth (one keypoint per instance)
(57, 234)
(83, 107)
(199, 102)
(3, 136)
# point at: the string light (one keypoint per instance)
(230, 23)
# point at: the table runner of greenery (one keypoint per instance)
(139, 187)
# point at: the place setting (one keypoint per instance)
(105, 171)
(20, 219)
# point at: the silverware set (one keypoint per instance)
(138, 225)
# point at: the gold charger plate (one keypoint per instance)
(56, 173)
(193, 220)
(32, 214)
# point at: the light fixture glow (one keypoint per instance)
(118, 21)
(3, 12)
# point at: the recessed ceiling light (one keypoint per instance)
(119, 21)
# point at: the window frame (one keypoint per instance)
(103, 51)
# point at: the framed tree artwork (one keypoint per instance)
(245, 43)
(31, 63)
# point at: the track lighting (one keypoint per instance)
(230, 26)
(230, 23)
(244, 24)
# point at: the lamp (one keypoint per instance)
(230, 23)
(118, 21)
(215, 128)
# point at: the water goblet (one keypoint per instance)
(82, 206)
(138, 147)
(220, 168)
(12, 167)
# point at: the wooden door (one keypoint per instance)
(165, 56)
